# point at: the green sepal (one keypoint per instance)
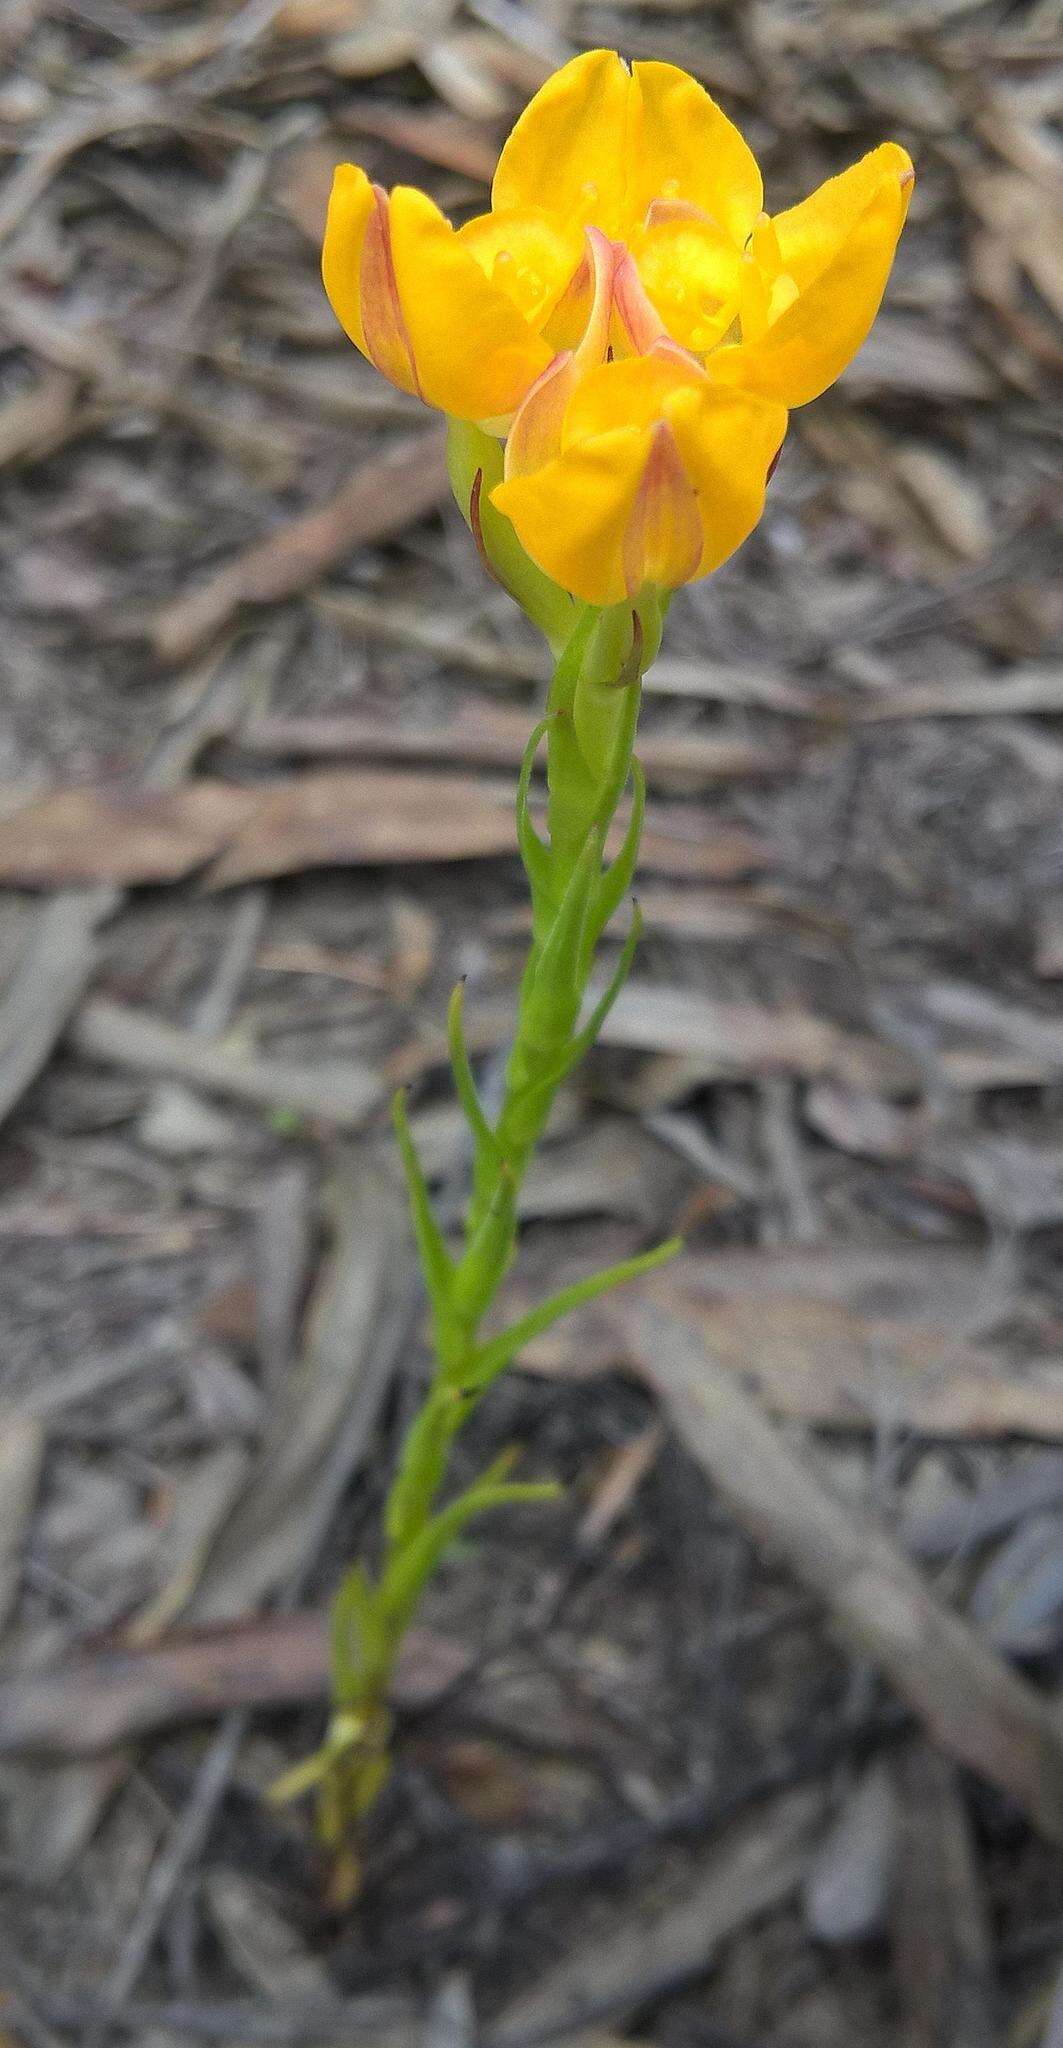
(436, 1263)
(653, 611)
(472, 453)
(494, 1356)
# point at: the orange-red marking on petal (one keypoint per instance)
(641, 323)
(386, 339)
(535, 434)
(663, 541)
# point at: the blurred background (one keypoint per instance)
(752, 1739)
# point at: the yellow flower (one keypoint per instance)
(627, 316)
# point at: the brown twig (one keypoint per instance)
(94, 1701)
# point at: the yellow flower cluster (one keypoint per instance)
(627, 317)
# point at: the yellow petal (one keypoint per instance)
(810, 235)
(727, 441)
(754, 300)
(475, 354)
(690, 150)
(571, 149)
(598, 144)
(529, 254)
(837, 247)
(417, 303)
(690, 269)
(350, 206)
(572, 515)
(630, 394)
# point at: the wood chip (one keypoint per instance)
(841, 1336)
(381, 498)
(199, 1500)
(337, 1093)
(52, 968)
(124, 835)
(495, 736)
(22, 1441)
(369, 817)
(260, 1942)
(727, 1039)
(942, 1939)
(437, 135)
(92, 1701)
(755, 1866)
(34, 422)
(1020, 690)
(340, 818)
(972, 1704)
(264, 1538)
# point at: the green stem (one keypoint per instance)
(590, 732)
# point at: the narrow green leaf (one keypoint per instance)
(413, 1567)
(487, 1253)
(571, 788)
(620, 765)
(581, 1044)
(422, 1464)
(436, 1263)
(497, 1353)
(464, 1079)
(618, 878)
(533, 852)
(570, 661)
(355, 1636)
(301, 1778)
(584, 1039)
(370, 1778)
(550, 1003)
